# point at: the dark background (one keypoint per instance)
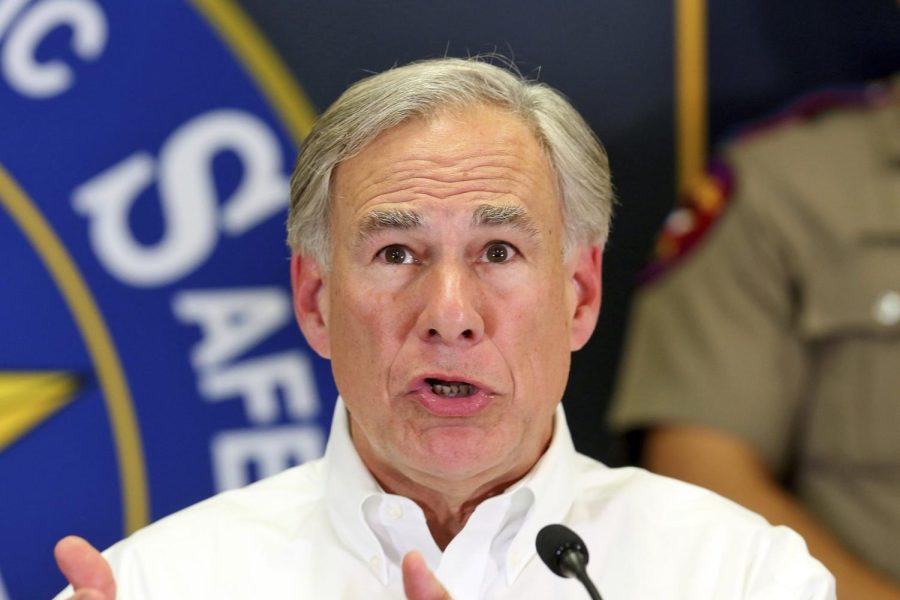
(614, 60)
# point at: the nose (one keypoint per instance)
(452, 310)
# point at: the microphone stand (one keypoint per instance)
(573, 564)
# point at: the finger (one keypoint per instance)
(419, 583)
(85, 569)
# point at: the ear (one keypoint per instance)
(587, 279)
(311, 302)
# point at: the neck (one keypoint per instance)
(448, 508)
(446, 503)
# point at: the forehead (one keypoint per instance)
(480, 154)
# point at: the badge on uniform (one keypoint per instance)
(687, 225)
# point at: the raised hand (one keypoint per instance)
(86, 569)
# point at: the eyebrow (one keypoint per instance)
(383, 219)
(484, 215)
(493, 215)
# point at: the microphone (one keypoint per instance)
(565, 554)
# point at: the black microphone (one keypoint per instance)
(565, 554)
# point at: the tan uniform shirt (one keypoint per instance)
(782, 326)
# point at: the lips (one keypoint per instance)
(447, 395)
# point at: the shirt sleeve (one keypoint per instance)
(784, 570)
(711, 340)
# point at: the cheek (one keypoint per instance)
(366, 332)
(353, 314)
(548, 358)
(533, 318)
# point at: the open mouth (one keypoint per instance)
(451, 389)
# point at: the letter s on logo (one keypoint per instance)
(187, 196)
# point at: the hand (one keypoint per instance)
(86, 569)
(419, 583)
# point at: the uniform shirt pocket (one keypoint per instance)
(850, 318)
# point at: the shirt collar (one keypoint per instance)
(543, 496)
(348, 484)
(552, 484)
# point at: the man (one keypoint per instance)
(447, 222)
(763, 358)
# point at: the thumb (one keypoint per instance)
(419, 583)
(85, 568)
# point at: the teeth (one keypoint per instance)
(453, 390)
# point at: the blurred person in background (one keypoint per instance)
(763, 359)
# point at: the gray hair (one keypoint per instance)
(380, 102)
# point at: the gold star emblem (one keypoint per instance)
(28, 398)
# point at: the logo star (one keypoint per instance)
(28, 398)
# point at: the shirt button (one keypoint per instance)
(375, 562)
(394, 511)
(887, 308)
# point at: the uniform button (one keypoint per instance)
(394, 511)
(887, 308)
(375, 561)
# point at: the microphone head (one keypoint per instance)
(553, 542)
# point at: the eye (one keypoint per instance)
(396, 254)
(498, 252)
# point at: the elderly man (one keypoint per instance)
(447, 222)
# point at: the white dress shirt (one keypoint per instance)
(327, 530)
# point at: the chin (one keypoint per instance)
(458, 453)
